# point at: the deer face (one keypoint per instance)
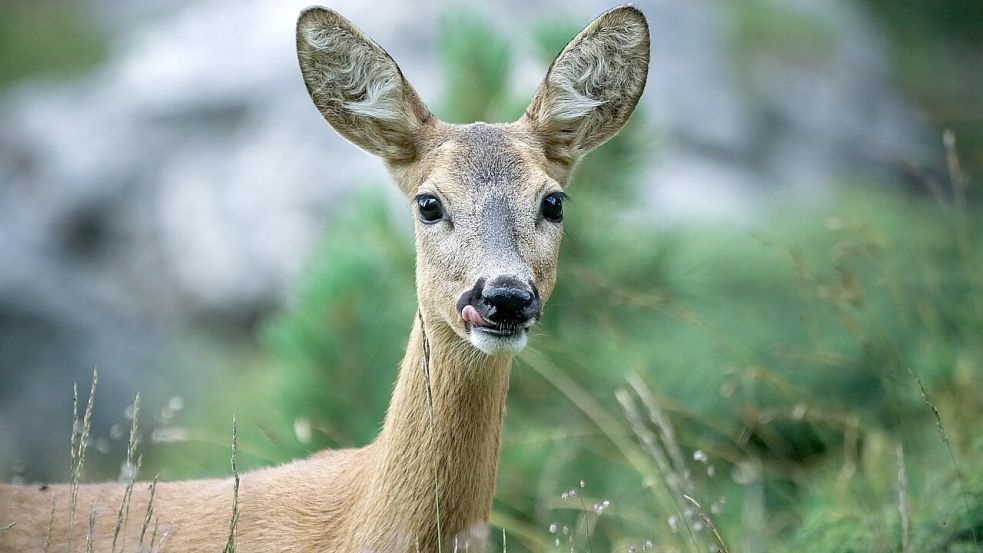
(489, 222)
(488, 199)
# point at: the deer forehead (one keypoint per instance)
(492, 181)
(485, 166)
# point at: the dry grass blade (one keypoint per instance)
(163, 538)
(709, 522)
(123, 516)
(528, 534)
(51, 521)
(433, 431)
(659, 418)
(230, 543)
(903, 503)
(612, 428)
(7, 527)
(78, 450)
(150, 512)
(959, 181)
(583, 400)
(583, 507)
(153, 535)
(74, 447)
(92, 528)
(948, 446)
(673, 478)
(124, 507)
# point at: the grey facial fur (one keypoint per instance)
(490, 168)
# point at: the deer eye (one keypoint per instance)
(430, 209)
(553, 207)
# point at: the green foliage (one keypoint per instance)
(781, 351)
(341, 343)
(938, 50)
(476, 68)
(46, 36)
(780, 30)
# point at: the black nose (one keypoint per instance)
(509, 302)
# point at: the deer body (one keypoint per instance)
(488, 201)
(377, 498)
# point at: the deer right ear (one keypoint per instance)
(357, 87)
(593, 85)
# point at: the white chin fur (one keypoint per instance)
(497, 345)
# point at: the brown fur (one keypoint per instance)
(491, 180)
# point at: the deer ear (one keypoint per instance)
(357, 87)
(592, 86)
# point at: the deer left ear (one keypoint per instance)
(358, 88)
(593, 86)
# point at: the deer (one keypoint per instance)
(487, 202)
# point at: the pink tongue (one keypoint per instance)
(470, 314)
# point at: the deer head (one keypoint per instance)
(487, 198)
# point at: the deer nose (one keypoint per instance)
(509, 301)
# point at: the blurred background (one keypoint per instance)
(770, 295)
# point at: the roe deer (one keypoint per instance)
(488, 204)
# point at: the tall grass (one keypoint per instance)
(80, 437)
(80, 444)
(130, 470)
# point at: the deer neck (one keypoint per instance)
(459, 434)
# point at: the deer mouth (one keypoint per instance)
(494, 338)
(499, 331)
(474, 321)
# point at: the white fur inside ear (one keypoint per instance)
(593, 72)
(350, 68)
